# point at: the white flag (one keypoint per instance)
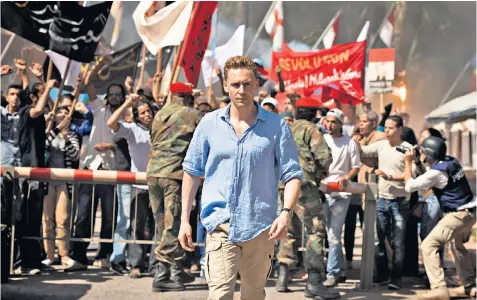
(233, 47)
(60, 62)
(386, 33)
(274, 26)
(166, 27)
(330, 37)
(363, 35)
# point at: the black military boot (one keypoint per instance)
(283, 277)
(179, 275)
(162, 281)
(315, 289)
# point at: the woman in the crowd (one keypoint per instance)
(62, 146)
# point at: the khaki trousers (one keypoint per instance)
(454, 228)
(56, 215)
(253, 259)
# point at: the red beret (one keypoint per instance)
(180, 88)
(307, 103)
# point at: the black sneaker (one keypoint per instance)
(119, 269)
(394, 285)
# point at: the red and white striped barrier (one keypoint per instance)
(334, 187)
(73, 175)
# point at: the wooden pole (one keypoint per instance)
(322, 36)
(50, 69)
(471, 151)
(60, 92)
(7, 46)
(381, 103)
(78, 90)
(459, 145)
(140, 82)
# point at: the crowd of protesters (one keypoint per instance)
(141, 130)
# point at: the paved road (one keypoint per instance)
(96, 284)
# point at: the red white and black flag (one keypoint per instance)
(196, 39)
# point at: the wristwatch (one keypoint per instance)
(289, 211)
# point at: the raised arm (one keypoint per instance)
(113, 121)
(37, 110)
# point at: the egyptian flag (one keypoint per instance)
(386, 32)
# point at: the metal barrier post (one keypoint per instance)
(367, 256)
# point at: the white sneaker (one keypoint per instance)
(47, 262)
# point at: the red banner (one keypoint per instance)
(340, 68)
(197, 38)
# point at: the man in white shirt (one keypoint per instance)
(345, 165)
(99, 154)
(393, 202)
(447, 179)
(137, 136)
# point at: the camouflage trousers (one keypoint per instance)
(165, 198)
(308, 210)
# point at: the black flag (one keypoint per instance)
(123, 63)
(29, 19)
(62, 26)
(76, 30)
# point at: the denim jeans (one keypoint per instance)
(431, 215)
(391, 221)
(335, 210)
(122, 223)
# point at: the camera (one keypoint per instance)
(402, 149)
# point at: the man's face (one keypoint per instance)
(424, 135)
(13, 98)
(333, 126)
(289, 121)
(144, 115)
(115, 96)
(60, 115)
(241, 85)
(365, 126)
(391, 130)
(204, 108)
(160, 101)
(66, 102)
(289, 106)
(269, 108)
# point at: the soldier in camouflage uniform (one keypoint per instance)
(171, 132)
(314, 156)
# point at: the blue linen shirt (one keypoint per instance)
(241, 174)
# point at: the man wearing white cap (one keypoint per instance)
(270, 104)
(345, 165)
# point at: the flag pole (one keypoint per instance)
(456, 81)
(78, 90)
(322, 36)
(375, 36)
(261, 27)
(50, 70)
(143, 68)
(60, 92)
(7, 46)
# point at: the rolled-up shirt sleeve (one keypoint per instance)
(430, 179)
(286, 155)
(125, 131)
(196, 157)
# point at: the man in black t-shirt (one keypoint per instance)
(29, 203)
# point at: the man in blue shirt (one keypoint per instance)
(242, 151)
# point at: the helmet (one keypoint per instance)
(434, 147)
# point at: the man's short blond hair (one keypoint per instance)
(240, 62)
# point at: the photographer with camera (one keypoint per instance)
(447, 179)
(393, 201)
